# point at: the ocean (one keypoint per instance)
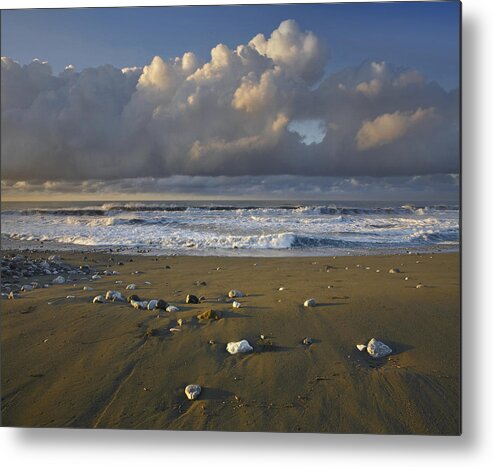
(251, 228)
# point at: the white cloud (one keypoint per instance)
(388, 127)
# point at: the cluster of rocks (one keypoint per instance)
(16, 268)
(134, 301)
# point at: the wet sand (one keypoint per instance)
(72, 363)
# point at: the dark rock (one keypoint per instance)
(133, 297)
(192, 299)
(161, 304)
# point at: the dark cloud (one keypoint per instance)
(230, 116)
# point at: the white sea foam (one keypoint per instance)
(221, 228)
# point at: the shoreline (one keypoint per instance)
(8, 244)
(69, 362)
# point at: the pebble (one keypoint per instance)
(235, 294)
(96, 277)
(161, 304)
(58, 280)
(133, 297)
(394, 271)
(13, 296)
(210, 314)
(114, 296)
(70, 297)
(242, 346)
(172, 308)
(26, 288)
(192, 299)
(406, 278)
(147, 283)
(361, 347)
(86, 287)
(419, 286)
(139, 305)
(236, 304)
(192, 391)
(307, 341)
(378, 349)
(152, 304)
(281, 289)
(309, 302)
(131, 287)
(180, 322)
(98, 299)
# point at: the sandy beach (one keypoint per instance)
(68, 362)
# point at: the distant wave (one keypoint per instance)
(112, 209)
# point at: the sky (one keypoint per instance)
(352, 97)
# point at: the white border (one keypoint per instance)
(42, 447)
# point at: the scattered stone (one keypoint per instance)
(139, 305)
(192, 391)
(201, 298)
(239, 347)
(26, 288)
(58, 280)
(419, 286)
(281, 289)
(211, 342)
(114, 296)
(98, 299)
(192, 299)
(147, 283)
(180, 322)
(378, 270)
(152, 304)
(235, 294)
(309, 302)
(406, 278)
(210, 314)
(394, 271)
(87, 287)
(133, 298)
(378, 349)
(172, 309)
(307, 341)
(53, 258)
(95, 277)
(161, 304)
(361, 347)
(131, 287)
(174, 330)
(118, 282)
(13, 296)
(236, 304)
(70, 297)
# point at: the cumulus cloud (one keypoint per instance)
(230, 115)
(388, 127)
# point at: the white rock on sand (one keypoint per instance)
(114, 296)
(236, 304)
(239, 347)
(58, 280)
(378, 349)
(152, 304)
(98, 299)
(26, 288)
(361, 347)
(172, 308)
(310, 302)
(192, 391)
(139, 305)
(131, 287)
(87, 287)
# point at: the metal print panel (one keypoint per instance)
(235, 218)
